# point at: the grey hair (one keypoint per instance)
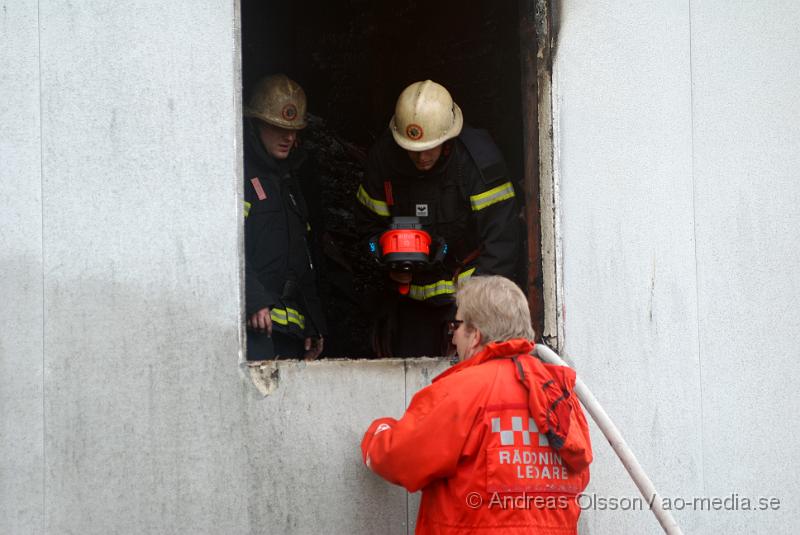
(496, 307)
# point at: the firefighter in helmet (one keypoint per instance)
(284, 313)
(429, 165)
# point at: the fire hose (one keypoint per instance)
(618, 444)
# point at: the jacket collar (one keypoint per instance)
(255, 149)
(402, 165)
(493, 350)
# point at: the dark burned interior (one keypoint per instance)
(353, 57)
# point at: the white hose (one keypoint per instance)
(619, 445)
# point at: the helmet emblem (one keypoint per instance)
(414, 131)
(289, 112)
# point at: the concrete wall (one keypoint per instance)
(124, 409)
(301, 447)
(21, 291)
(679, 135)
(119, 268)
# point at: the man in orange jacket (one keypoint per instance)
(498, 443)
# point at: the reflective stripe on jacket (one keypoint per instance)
(420, 292)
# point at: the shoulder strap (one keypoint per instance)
(484, 153)
(520, 370)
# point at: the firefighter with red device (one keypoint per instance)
(429, 165)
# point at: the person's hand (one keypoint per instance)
(261, 322)
(313, 348)
(403, 277)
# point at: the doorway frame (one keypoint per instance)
(540, 172)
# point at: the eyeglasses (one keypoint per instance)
(452, 326)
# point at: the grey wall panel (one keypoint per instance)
(623, 137)
(746, 71)
(21, 311)
(141, 267)
(302, 445)
(679, 137)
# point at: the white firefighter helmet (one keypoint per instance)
(425, 116)
(279, 101)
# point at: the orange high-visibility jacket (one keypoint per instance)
(498, 444)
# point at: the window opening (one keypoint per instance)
(353, 57)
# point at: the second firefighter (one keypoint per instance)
(429, 165)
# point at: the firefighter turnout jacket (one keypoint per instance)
(280, 271)
(467, 199)
(497, 443)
